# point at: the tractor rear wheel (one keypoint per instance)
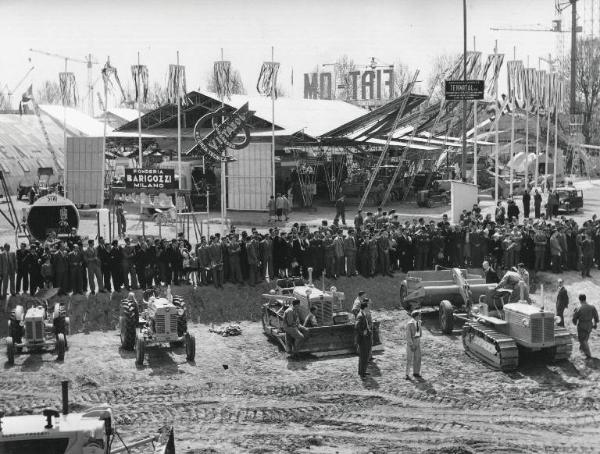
(61, 346)
(140, 350)
(10, 350)
(60, 327)
(190, 347)
(127, 324)
(446, 317)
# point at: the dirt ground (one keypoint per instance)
(243, 395)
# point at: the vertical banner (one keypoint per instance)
(529, 89)
(140, 82)
(267, 79)
(222, 72)
(516, 82)
(110, 72)
(68, 88)
(490, 74)
(176, 86)
(540, 90)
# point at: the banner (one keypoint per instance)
(490, 74)
(68, 89)
(150, 179)
(516, 83)
(176, 86)
(540, 89)
(267, 79)
(140, 82)
(109, 72)
(473, 67)
(222, 70)
(529, 89)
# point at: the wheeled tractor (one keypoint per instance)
(35, 327)
(493, 330)
(159, 322)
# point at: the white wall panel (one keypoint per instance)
(249, 178)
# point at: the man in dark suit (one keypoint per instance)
(562, 302)
(362, 339)
(526, 203)
(491, 277)
(586, 318)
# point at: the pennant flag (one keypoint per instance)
(222, 70)
(140, 82)
(529, 89)
(516, 76)
(176, 85)
(540, 89)
(109, 72)
(490, 74)
(267, 79)
(68, 88)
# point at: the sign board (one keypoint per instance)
(150, 179)
(223, 135)
(358, 87)
(464, 90)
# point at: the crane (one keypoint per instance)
(88, 61)
(556, 28)
(12, 92)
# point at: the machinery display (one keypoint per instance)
(160, 321)
(88, 432)
(334, 334)
(35, 327)
(52, 214)
(493, 331)
(570, 200)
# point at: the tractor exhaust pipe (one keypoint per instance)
(65, 397)
(310, 281)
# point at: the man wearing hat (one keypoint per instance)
(294, 331)
(562, 302)
(413, 345)
(357, 302)
(362, 339)
(350, 247)
(358, 221)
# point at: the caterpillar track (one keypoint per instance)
(564, 344)
(490, 346)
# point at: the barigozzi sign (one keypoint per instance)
(150, 179)
(233, 132)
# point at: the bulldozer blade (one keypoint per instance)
(166, 441)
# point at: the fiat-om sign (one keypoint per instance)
(464, 90)
(150, 179)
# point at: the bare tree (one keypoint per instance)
(48, 93)
(343, 81)
(441, 65)
(401, 78)
(237, 87)
(588, 83)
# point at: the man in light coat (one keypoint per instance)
(8, 268)
(413, 345)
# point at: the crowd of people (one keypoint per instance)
(377, 244)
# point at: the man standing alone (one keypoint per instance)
(562, 302)
(586, 318)
(413, 345)
(526, 203)
(362, 339)
(537, 203)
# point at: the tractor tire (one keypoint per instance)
(60, 327)
(61, 346)
(190, 347)
(140, 351)
(15, 330)
(10, 350)
(127, 324)
(446, 317)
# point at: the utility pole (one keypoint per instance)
(463, 167)
(572, 108)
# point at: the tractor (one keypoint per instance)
(495, 330)
(35, 327)
(158, 322)
(88, 432)
(334, 334)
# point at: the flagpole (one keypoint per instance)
(537, 131)
(474, 132)
(273, 123)
(64, 101)
(546, 166)
(497, 144)
(526, 105)
(137, 82)
(555, 145)
(178, 123)
(512, 131)
(223, 169)
(104, 144)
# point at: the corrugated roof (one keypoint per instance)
(313, 116)
(124, 113)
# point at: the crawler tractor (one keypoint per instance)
(159, 322)
(495, 332)
(35, 327)
(89, 432)
(334, 334)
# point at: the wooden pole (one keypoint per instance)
(273, 126)
(104, 146)
(178, 124)
(526, 134)
(64, 103)
(474, 132)
(547, 164)
(223, 176)
(497, 143)
(555, 146)
(463, 170)
(512, 133)
(139, 124)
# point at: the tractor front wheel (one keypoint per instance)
(61, 346)
(140, 351)
(190, 347)
(127, 324)
(446, 317)
(10, 350)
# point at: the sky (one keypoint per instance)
(304, 33)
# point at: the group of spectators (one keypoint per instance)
(377, 243)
